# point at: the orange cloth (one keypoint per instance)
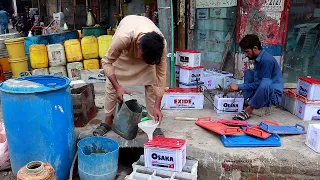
(122, 57)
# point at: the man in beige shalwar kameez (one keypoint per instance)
(136, 57)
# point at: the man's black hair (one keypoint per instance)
(249, 41)
(152, 45)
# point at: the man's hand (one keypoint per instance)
(157, 114)
(120, 92)
(233, 87)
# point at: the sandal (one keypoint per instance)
(242, 116)
(102, 129)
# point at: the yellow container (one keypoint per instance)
(4, 62)
(90, 49)
(15, 48)
(104, 44)
(38, 56)
(18, 65)
(91, 64)
(73, 50)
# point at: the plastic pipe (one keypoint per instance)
(172, 68)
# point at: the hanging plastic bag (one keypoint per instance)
(4, 152)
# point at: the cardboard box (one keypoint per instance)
(307, 110)
(209, 80)
(181, 98)
(232, 104)
(309, 88)
(313, 137)
(165, 153)
(188, 58)
(190, 74)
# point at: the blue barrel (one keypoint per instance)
(72, 35)
(28, 41)
(61, 37)
(38, 118)
(98, 158)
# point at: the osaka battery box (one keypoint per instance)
(165, 153)
(188, 58)
(307, 110)
(190, 74)
(309, 88)
(182, 98)
(230, 104)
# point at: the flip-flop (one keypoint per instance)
(242, 116)
(102, 129)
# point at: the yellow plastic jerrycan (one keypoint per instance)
(90, 48)
(38, 56)
(73, 50)
(104, 44)
(91, 64)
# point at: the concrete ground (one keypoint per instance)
(293, 160)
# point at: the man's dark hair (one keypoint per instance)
(249, 41)
(152, 45)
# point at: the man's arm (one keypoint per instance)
(160, 79)
(266, 72)
(118, 44)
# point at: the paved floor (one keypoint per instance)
(206, 146)
(293, 158)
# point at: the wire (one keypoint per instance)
(211, 100)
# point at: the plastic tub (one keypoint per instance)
(98, 158)
(18, 65)
(15, 48)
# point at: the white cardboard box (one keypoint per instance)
(232, 104)
(165, 153)
(188, 58)
(307, 110)
(179, 98)
(190, 74)
(209, 80)
(309, 88)
(313, 137)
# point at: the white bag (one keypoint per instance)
(4, 152)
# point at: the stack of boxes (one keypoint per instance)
(308, 100)
(304, 101)
(189, 95)
(188, 70)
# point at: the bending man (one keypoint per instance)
(136, 57)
